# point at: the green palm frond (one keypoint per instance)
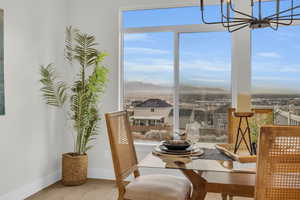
(54, 92)
(84, 51)
(97, 82)
(92, 129)
(69, 46)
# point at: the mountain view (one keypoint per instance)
(141, 87)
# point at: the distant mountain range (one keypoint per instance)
(138, 87)
(149, 88)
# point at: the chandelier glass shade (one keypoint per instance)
(234, 20)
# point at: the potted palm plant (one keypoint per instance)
(79, 101)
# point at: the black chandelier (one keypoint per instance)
(233, 23)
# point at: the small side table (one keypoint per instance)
(242, 134)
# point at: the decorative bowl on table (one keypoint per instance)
(176, 144)
(177, 149)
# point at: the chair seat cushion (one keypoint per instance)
(158, 187)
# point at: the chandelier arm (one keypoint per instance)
(277, 11)
(241, 13)
(259, 9)
(230, 18)
(206, 22)
(281, 23)
(222, 13)
(284, 16)
(202, 14)
(278, 18)
(292, 11)
(234, 21)
(237, 28)
(227, 14)
(284, 11)
(238, 19)
(289, 19)
(233, 25)
(275, 29)
(223, 16)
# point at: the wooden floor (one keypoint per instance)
(92, 190)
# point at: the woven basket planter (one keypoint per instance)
(74, 169)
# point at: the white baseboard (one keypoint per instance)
(32, 188)
(100, 173)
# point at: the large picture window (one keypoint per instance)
(193, 72)
(175, 80)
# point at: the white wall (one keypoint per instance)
(31, 138)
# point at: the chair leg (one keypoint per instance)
(224, 196)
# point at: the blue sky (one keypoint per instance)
(205, 58)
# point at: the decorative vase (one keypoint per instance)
(74, 169)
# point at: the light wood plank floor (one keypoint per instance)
(94, 189)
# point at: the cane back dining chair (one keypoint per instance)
(278, 164)
(149, 187)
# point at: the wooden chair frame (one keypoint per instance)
(120, 177)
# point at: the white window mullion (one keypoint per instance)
(241, 58)
(121, 72)
(176, 84)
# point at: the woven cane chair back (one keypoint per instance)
(122, 147)
(278, 164)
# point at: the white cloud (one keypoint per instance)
(273, 78)
(156, 64)
(136, 37)
(149, 65)
(205, 65)
(208, 80)
(275, 67)
(269, 54)
(154, 80)
(145, 50)
(290, 69)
